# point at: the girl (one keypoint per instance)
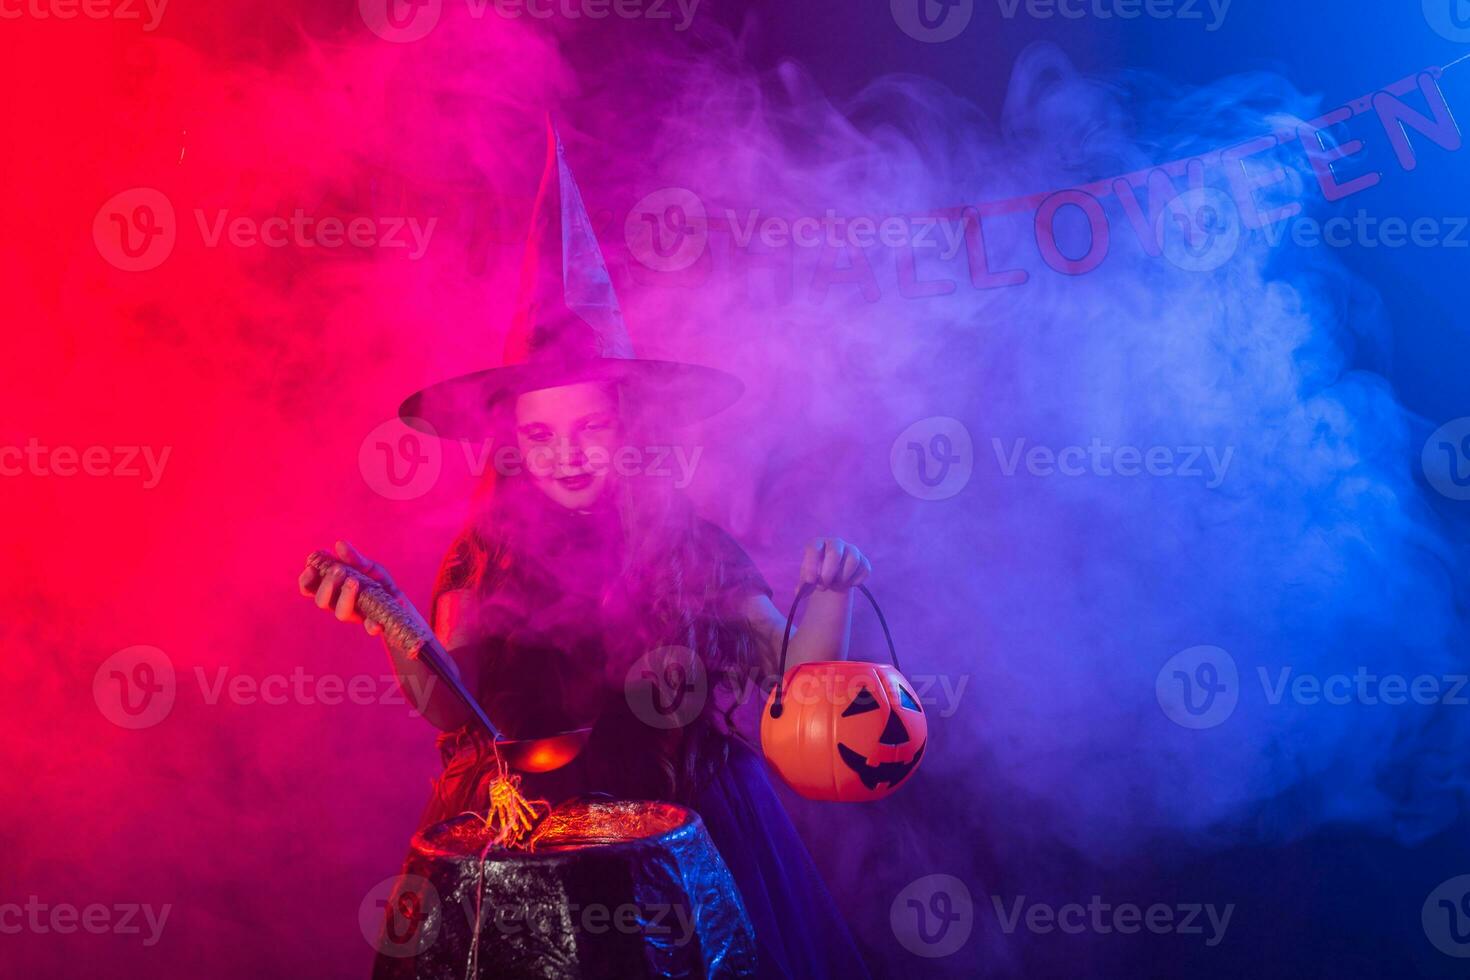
(566, 575)
(575, 566)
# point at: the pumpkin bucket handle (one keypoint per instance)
(776, 704)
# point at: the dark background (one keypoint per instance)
(1334, 901)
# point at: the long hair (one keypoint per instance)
(673, 586)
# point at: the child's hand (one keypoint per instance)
(337, 590)
(831, 563)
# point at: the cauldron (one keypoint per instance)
(610, 889)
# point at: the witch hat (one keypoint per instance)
(567, 329)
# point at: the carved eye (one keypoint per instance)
(907, 700)
(863, 703)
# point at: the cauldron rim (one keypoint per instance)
(681, 822)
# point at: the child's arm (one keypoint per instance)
(835, 568)
(337, 591)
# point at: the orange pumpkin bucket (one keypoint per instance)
(841, 729)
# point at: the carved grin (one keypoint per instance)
(872, 776)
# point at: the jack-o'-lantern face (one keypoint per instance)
(844, 730)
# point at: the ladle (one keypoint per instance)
(406, 630)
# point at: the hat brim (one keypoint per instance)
(668, 393)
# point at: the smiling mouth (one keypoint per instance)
(579, 482)
(874, 776)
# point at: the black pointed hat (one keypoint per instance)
(567, 329)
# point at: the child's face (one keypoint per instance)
(567, 437)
